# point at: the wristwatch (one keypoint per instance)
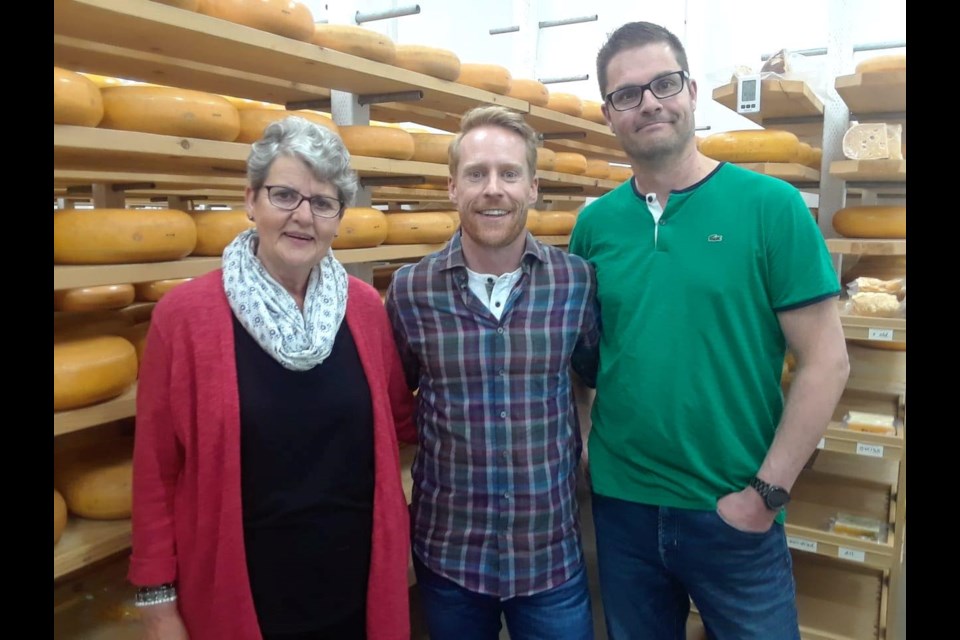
(774, 497)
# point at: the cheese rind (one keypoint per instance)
(755, 145)
(873, 141)
(439, 63)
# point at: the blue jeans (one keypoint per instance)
(654, 560)
(455, 613)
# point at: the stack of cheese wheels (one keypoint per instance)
(254, 121)
(137, 336)
(96, 481)
(755, 145)
(556, 223)
(887, 62)
(546, 159)
(189, 5)
(569, 162)
(533, 91)
(874, 221)
(360, 228)
(217, 229)
(169, 111)
(286, 18)
(76, 99)
(431, 147)
(107, 296)
(59, 516)
(533, 221)
(489, 77)
(356, 41)
(597, 168)
(593, 111)
(87, 371)
(153, 290)
(439, 63)
(87, 324)
(566, 103)
(619, 173)
(418, 227)
(378, 141)
(118, 236)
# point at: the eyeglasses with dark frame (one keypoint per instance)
(666, 86)
(288, 199)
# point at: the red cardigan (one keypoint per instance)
(187, 522)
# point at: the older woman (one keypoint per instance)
(267, 500)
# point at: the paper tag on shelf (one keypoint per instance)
(870, 450)
(802, 544)
(851, 554)
(822, 443)
(880, 334)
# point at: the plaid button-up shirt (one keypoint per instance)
(494, 481)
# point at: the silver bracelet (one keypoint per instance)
(161, 594)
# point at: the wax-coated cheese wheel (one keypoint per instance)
(90, 370)
(431, 147)
(418, 227)
(566, 103)
(137, 336)
(154, 290)
(96, 482)
(217, 229)
(546, 159)
(107, 296)
(138, 313)
(118, 236)
(59, 516)
(889, 62)
(568, 162)
(76, 99)
(361, 227)
(356, 41)
(455, 216)
(189, 5)
(619, 173)
(533, 221)
(253, 121)
(286, 18)
(170, 111)
(533, 91)
(87, 324)
(377, 141)
(871, 222)
(439, 63)
(490, 77)
(597, 169)
(593, 111)
(755, 145)
(556, 223)
(246, 103)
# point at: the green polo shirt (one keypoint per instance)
(688, 392)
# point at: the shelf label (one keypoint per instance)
(822, 443)
(851, 554)
(880, 334)
(870, 450)
(802, 544)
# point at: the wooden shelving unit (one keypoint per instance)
(787, 105)
(85, 542)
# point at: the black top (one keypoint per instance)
(306, 452)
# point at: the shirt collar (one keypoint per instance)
(451, 256)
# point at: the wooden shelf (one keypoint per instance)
(787, 105)
(85, 542)
(838, 601)
(878, 370)
(123, 406)
(788, 171)
(841, 440)
(867, 247)
(878, 92)
(879, 329)
(869, 170)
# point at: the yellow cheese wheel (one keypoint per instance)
(108, 296)
(418, 227)
(59, 516)
(431, 147)
(361, 227)
(90, 370)
(490, 77)
(286, 18)
(439, 63)
(566, 103)
(620, 173)
(568, 162)
(253, 121)
(170, 111)
(377, 141)
(357, 41)
(556, 223)
(137, 336)
(246, 103)
(118, 236)
(533, 221)
(189, 5)
(76, 99)
(455, 216)
(138, 313)
(816, 157)
(154, 290)
(533, 91)
(96, 481)
(889, 62)
(546, 159)
(87, 324)
(593, 111)
(755, 145)
(597, 169)
(871, 222)
(804, 154)
(217, 229)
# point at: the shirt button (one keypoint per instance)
(503, 414)
(507, 495)
(502, 372)
(497, 304)
(663, 222)
(500, 330)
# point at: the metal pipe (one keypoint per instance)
(559, 23)
(705, 127)
(564, 135)
(398, 96)
(391, 181)
(389, 13)
(498, 31)
(323, 104)
(821, 51)
(585, 76)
